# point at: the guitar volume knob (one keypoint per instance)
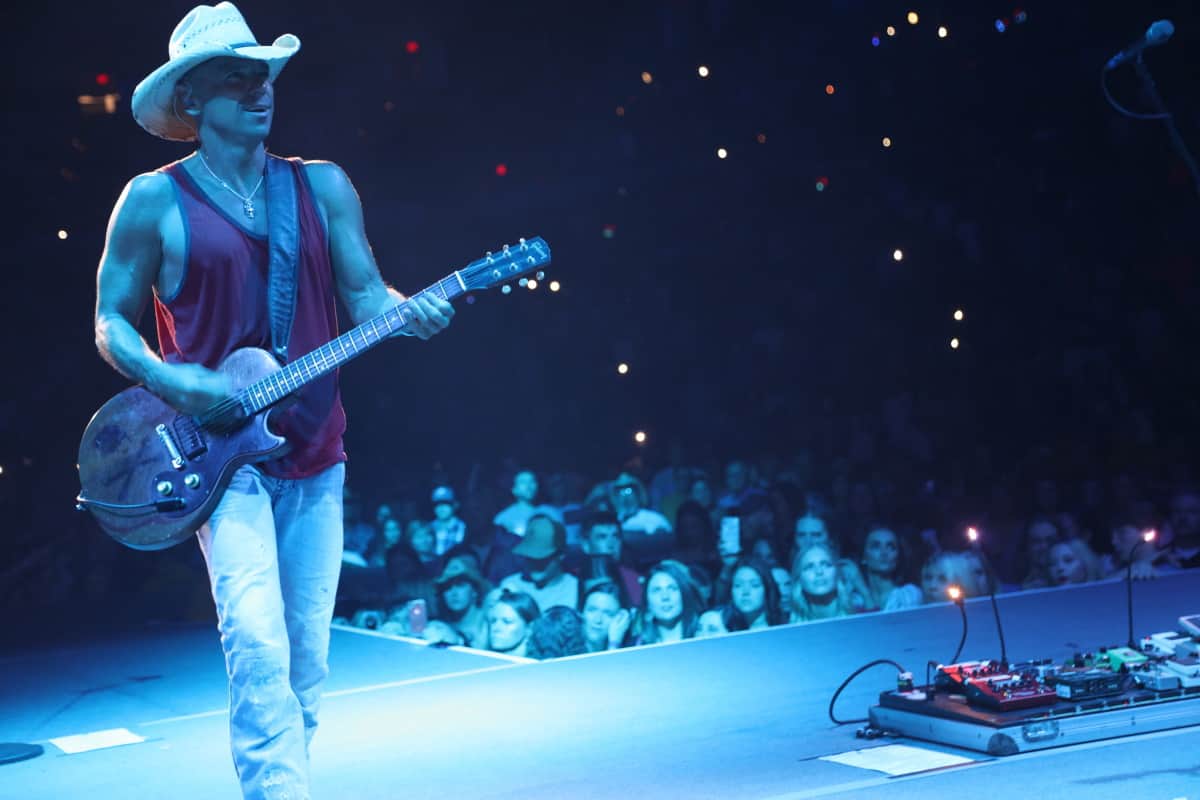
(165, 488)
(192, 480)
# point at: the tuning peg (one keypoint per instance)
(523, 245)
(523, 282)
(506, 248)
(506, 289)
(541, 274)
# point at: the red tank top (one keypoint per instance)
(221, 305)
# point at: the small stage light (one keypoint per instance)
(647, 78)
(761, 138)
(829, 88)
(954, 344)
(62, 234)
(722, 152)
(942, 32)
(555, 286)
(897, 255)
(622, 368)
(913, 18)
(501, 170)
(822, 183)
(620, 111)
(875, 40)
(955, 593)
(891, 30)
(412, 47)
(532, 284)
(702, 71)
(887, 141)
(958, 315)
(640, 437)
(102, 79)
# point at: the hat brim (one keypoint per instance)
(153, 99)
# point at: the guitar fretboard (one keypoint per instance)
(328, 357)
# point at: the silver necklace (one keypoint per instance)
(248, 200)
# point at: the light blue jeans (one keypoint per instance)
(274, 552)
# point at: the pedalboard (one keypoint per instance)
(1002, 709)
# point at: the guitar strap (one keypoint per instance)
(283, 244)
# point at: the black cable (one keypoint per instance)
(999, 628)
(846, 683)
(962, 609)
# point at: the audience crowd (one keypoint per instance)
(561, 566)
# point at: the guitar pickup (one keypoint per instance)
(189, 437)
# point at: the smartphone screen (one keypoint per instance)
(731, 535)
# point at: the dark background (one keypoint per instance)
(758, 315)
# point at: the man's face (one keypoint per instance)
(459, 596)
(603, 540)
(233, 95)
(443, 512)
(735, 476)
(525, 486)
(1185, 517)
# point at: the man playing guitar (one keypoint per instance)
(192, 237)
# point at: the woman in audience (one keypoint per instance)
(754, 594)
(1072, 561)
(1040, 535)
(556, 633)
(884, 560)
(670, 608)
(509, 618)
(947, 568)
(605, 619)
(818, 589)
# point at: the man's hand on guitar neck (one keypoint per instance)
(189, 388)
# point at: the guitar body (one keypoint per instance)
(152, 476)
(144, 457)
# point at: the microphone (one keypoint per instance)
(1156, 34)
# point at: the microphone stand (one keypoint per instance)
(1129, 590)
(1156, 100)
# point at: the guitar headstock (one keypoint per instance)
(513, 261)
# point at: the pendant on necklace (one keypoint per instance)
(248, 207)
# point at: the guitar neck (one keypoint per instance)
(351, 344)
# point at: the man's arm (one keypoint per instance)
(359, 284)
(128, 268)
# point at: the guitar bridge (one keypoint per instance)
(189, 437)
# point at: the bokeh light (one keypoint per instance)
(555, 286)
(622, 368)
(647, 78)
(887, 141)
(702, 71)
(897, 254)
(954, 343)
(829, 88)
(501, 170)
(761, 138)
(822, 183)
(958, 315)
(722, 152)
(640, 437)
(942, 32)
(891, 30)
(620, 111)
(62, 234)
(954, 592)
(412, 47)
(532, 284)
(913, 18)
(875, 40)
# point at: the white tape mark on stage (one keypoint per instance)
(984, 761)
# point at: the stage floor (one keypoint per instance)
(740, 716)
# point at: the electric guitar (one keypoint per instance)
(152, 476)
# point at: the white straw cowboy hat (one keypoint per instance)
(206, 32)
